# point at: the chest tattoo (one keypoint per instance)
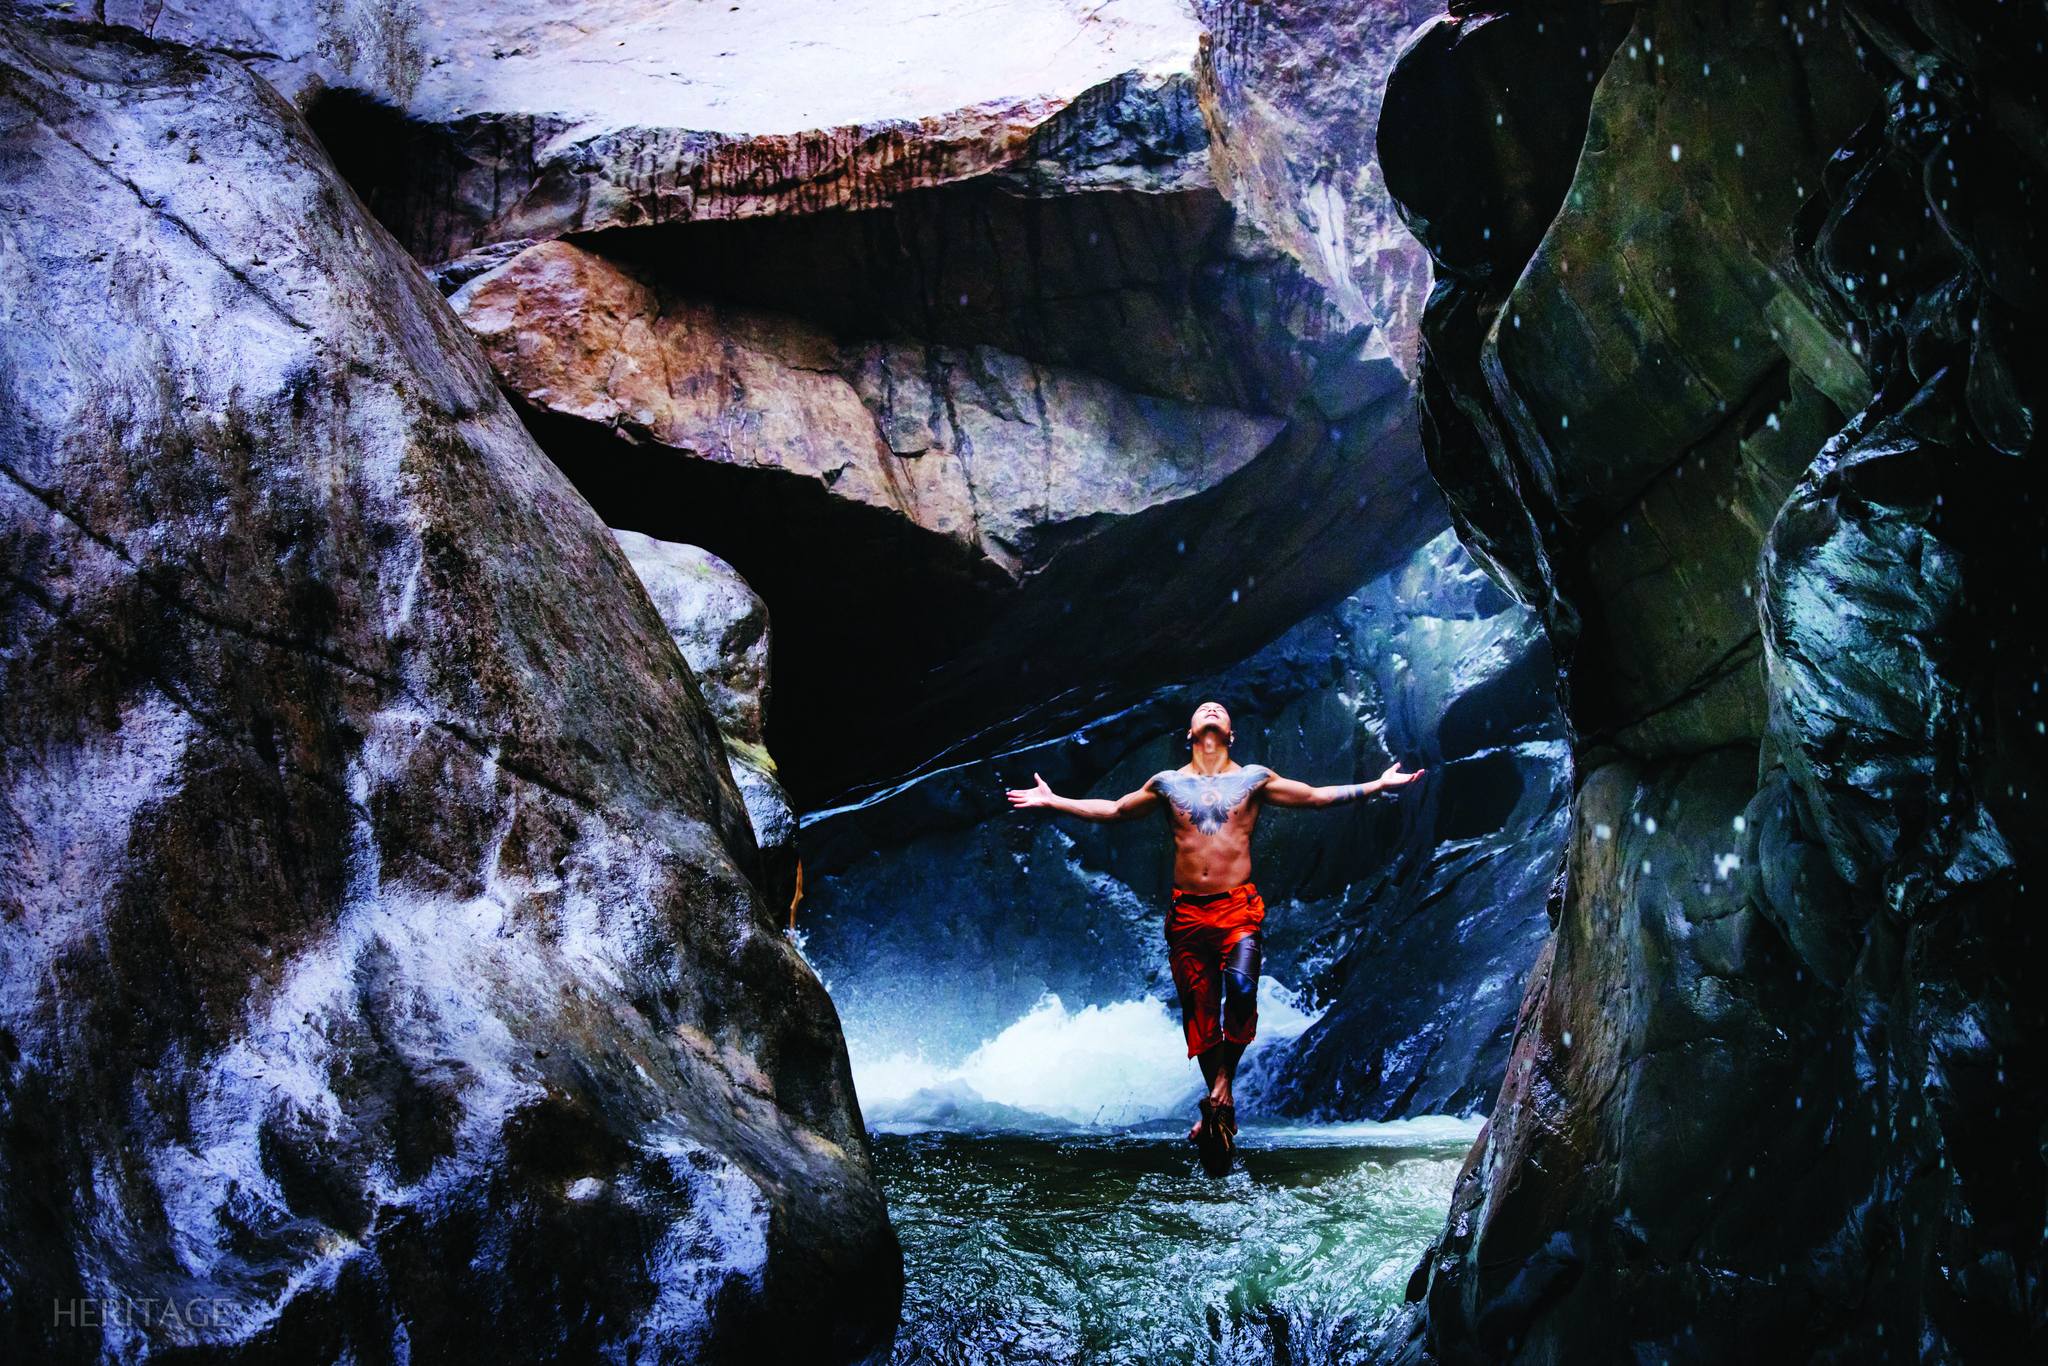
(1208, 802)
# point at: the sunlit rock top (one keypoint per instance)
(760, 66)
(522, 121)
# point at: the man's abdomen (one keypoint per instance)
(1211, 865)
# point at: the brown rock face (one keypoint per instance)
(1720, 381)
(1005, 459)
(383, 966)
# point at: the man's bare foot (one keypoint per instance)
(1218, 1096)
(1212, 1139)
(1221, 1112)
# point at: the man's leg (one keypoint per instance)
(1197, 967)
(1219, 1069)
(1240, 1017)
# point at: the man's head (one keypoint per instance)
(1210, 716)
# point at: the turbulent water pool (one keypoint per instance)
(1115, 1248)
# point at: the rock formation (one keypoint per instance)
(1721, 375)
(384, 970)
(1004, 460)
(1292, 91)
(721, 627)
(466, 124)
(1017, 316)
(1412, 920)
(952, 493)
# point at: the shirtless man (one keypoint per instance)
(1212, 926)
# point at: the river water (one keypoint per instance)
(1116, 1248)
(1051, 1209)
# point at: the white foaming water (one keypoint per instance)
(1110, 1066)
(1419, 1131)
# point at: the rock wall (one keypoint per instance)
(1721, 376)
(382, 966)
(1408, 924)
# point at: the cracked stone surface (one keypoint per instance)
(381, 949)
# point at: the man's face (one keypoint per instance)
(1210, 716)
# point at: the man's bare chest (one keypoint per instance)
(1211, 803)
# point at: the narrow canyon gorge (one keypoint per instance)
(534, 539)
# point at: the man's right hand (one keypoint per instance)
(1038, 795)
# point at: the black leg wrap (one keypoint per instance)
(1240, 983)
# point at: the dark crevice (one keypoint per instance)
(863, 602)
(1742, 653)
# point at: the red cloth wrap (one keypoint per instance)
(1198, 934)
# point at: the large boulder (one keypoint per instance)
(1004, 459)
(721, 626)
(465, 124)
(1725, 389)
(955, 515)
(384, 970)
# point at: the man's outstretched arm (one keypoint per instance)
(1087, 808)
(1280, 791)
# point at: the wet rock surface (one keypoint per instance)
(1444, 885)
(1724, 389)
(383, 962)
(1440, 923)
(721, 627)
